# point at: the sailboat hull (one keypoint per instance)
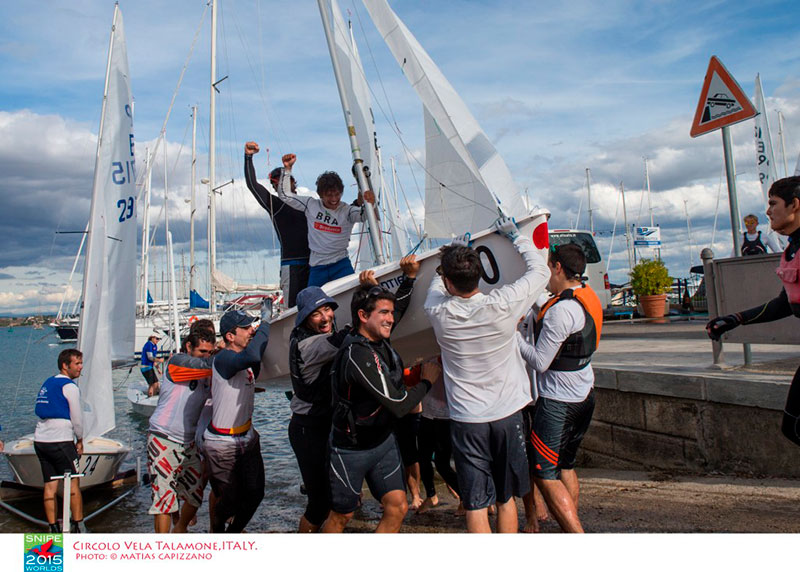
(140, 402)
(99, 463)
(413, 338)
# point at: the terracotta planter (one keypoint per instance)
(654, 306)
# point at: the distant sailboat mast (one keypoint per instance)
(589, 201)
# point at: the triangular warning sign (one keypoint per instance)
(722, 101)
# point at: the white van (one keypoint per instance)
(595, 269)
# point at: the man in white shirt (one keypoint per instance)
(58, 406)
(484, 375)
(330, 222)
(568, 331)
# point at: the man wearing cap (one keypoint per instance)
(149, 359)
(329, 222)
(232, 445)
(289, 225)
(313, 346)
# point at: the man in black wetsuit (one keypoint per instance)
(313, 346)
(290, 226)
(784, 217)
(368, 395)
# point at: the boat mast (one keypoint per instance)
(146, 231)
(71, 274)
(363, 185)
(783, 143)
(95, 241)
(627, 230)
(212, 157)
(173, 295)
(589, 194)
(192, 201)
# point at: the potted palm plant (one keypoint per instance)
(651, 281)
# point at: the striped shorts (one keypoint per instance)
(176, 472)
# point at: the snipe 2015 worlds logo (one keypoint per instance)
(44, 552)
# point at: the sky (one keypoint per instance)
(557, 87)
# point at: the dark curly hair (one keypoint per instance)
(461, 265)
(329, 180)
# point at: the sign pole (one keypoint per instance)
(733, 199)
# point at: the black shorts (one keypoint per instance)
(558, 429)
(309, 442)
(490, 461)
(407, 433)
(150, 376)
(348, 468)
(56, 458)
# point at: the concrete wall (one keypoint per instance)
(685, 423)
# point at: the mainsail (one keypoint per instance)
(467, 180)
(107, 327)
(765, 158)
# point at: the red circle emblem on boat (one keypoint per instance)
(541, 238)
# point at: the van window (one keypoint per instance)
(582, 239)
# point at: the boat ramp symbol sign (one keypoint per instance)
(722, 101)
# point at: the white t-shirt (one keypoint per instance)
(484, 374)
(328, 230)
(560, 321)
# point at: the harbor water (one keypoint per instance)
(29, 357)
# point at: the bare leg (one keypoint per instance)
(507, 521)
(212, 507)
(50, 512)
(336, 522)
(395, 508)
(306, 526)
(538, 503)
(413, 478)
(162, 523)
(76, 500)
(561, 505)
(570, 479)
(531, 522)
(187, 514)
(478, 521)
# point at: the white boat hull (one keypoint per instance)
(140, 402)
(99, 463)
(413, 338)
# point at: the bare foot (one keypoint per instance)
(193, 521)
(415, 503)
(531, 526)
(428, 504)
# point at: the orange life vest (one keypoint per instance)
(576, 351)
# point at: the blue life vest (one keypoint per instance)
(51, 403)
(149, 347)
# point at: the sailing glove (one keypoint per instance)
(507, 227)
(462, 240)
(718, 326)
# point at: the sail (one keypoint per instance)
(482, 180)
(107, 324)
(357, 93)
(765, 158)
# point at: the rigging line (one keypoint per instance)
(613, 233)
(396, 129)
(143, 175)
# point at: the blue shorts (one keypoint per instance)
(490, 461)
(323, 273)
(558, 429)
(348, 468)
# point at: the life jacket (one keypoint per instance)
(789, 273)
(349, 416)
(50, 402)
(753, 247)
(576, 351)
(318, 392)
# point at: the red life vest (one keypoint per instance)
(576, 351)
(789, 273)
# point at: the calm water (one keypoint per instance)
(28, 357)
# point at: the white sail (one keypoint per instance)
(108, 316)
(357, 92)
(483, 180)
(765, 158)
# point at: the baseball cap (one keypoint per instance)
(234, 319)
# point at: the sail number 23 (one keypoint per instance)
(126, 209)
